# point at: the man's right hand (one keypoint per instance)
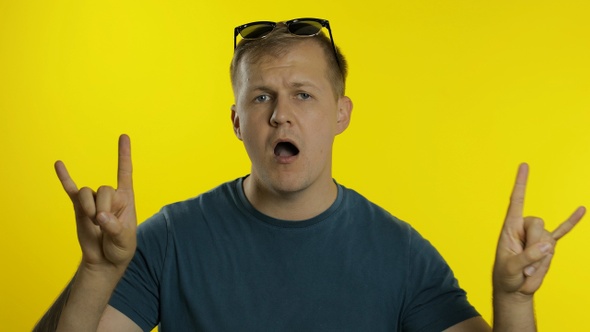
(106, 220)
(106, 223)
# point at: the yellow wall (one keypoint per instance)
(449, 97)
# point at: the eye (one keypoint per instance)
(262, 98)
(303, 95)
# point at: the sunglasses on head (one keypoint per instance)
(303, 27)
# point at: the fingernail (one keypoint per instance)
(102, 218)
(545, 247)
(529, 270)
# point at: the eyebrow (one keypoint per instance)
(295, 85)
(302, 84)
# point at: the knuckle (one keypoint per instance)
(87, 201)
(86, 190)
(534, 221)
(85, 196)
(531, 255)
(105, 190)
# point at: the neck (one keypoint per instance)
(293, 206)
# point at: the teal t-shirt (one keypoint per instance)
(214, 263)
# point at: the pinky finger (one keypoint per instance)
(569, 224)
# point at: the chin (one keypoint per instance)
(284, 184)
(288, 186)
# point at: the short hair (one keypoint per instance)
(278, 42)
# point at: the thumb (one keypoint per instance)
(109, 224)
(118, 242)
(531, 255)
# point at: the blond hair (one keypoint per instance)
(278, 42)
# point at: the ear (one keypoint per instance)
(344, 112)
(235, 119)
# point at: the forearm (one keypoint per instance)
(89, 294)
(514, 312)
(49, 321)
(81, 304)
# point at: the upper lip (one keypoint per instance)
(283, 140)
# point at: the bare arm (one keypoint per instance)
(475, 324)
(524, 253)
(111, 320)
(106, 224)
(50, 320)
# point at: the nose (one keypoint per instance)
(282, 112)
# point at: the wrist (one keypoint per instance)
(98, 279)
(515, 298)
(513, 312)
(102, 270)
(89, 295)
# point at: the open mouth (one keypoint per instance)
(286, 149)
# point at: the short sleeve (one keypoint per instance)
(434, 299)
(137, 294)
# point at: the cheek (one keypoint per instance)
(253, 138)
(321, 142)
(324, 126)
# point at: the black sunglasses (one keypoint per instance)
(304, 27)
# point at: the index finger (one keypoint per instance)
(125, 168)
(516, 207)
(67, 183)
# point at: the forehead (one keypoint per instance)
(303, 58)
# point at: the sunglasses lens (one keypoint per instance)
(256, 31)
(305, 28)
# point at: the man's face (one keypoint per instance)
(287, 116)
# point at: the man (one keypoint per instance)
(286, 247)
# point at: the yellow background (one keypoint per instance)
(449, 97)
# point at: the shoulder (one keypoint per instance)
(179, 215)
(365, 211)
(369, 219)
(220, 196)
